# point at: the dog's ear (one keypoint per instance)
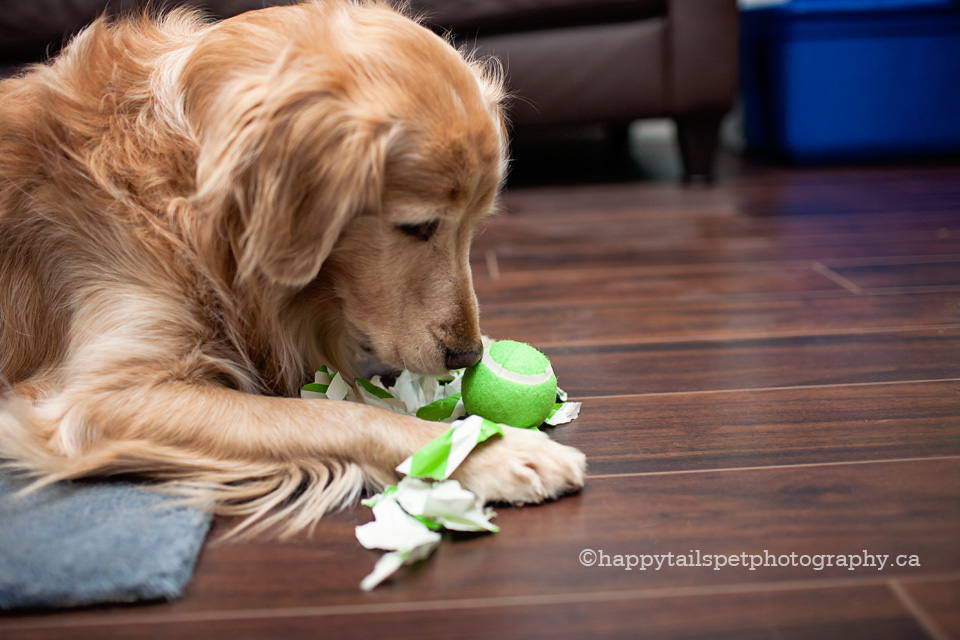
(287, 172)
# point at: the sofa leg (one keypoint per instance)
(697, 136)
(618, 139)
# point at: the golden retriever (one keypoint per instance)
(194, 216)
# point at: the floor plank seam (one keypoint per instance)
(837, 279)
(624, 300)
(926, 622)
(801, 387)
(767, 467)
(893, 291)
(728, 299)
(742, 337)
(528, 600)
(536, 274)
(891, 260)
(493, 265)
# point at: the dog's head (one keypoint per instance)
(352, 169)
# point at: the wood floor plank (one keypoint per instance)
(903, 275)
(866, 612)
(526, 254)
(888, 508)
(716, 220)
(648, 225)
(592, 286)
(791, 199)
(713, 221)
(666, 433)
(934, 222)
(583, 371)
(550, 323)
(578, 199)
(939, 603)
(821, 191)
(783, 193)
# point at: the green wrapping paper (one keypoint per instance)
(410, 516)
(438, 459)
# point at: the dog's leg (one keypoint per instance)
(212, 436)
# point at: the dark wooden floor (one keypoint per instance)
(768, 365)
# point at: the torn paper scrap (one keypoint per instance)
(374, 394)
(563, 413)
(446, 504)
(390, 563)
(443, 410)
(417, 391)
(393, 529)
(441, 457)
(328, 384)
(318, 388)
(427, 397)
(406, 517)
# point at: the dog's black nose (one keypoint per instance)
(458, 359)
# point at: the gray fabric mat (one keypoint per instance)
(85, 543)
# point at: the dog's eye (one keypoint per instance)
(423, 231)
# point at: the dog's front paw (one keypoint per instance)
(524, 466)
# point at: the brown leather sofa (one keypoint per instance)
(568, 62)
(608, 61)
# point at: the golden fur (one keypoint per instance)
(194, 216)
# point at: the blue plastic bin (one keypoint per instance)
(839, 79)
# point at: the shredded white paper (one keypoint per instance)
(563, 413)
(414, 394)
(409, 515)
(445, 502)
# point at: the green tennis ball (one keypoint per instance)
(513, 384)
